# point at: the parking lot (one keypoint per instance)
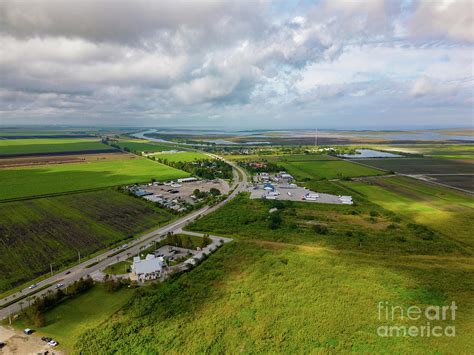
(172, 253)
(295, 193)
(184, 190)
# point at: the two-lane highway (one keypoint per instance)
(100, 262)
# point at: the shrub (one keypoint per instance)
(320, 229)
(274, 221)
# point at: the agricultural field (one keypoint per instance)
(139, 146)
(326, 169)
(278, 298)
(449, 151)
(29, 160)
(120, 268)
(57, 132)
(446, 211)
(464, 182)
(73, 316)
(37, 232)
(60, 178)
(182, 156)
(421, 166)
(18, 147)
(306, 157)
(451, 172)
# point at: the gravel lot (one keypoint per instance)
(292, 194)
(187, 188)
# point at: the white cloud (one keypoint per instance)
(183, 60)
(444, 18)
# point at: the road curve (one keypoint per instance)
(22, 298)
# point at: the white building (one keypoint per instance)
(347, 200)
(188, 179)
(149, 268)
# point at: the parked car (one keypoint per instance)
(28, 331)
(33, 286)
(46, 339)
(2, 344)
(53, 343)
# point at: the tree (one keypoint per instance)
(186, 242)
(214, 191)
(275, 221)
(206, 240)
(38, 319)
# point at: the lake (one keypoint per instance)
(370, 153)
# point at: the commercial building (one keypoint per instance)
(149, 268)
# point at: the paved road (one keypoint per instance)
(112, 256)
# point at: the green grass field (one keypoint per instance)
(291, 289)
(326, 169)
(255, 297)
(363, 226)
(306, 157)
(72, 317)
(120, 268)
(446, 211)
(50, 145)
(182, 156)
(37, 232)
(140, 146)
(60, 178)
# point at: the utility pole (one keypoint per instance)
(9, 317)
(316, 138)
(79, 254)
(51, 267)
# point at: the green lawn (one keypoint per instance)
(326, 169)
(51, 179)
(446, 211)
(120, 268)
(72, 317)
(35, 233)
(49, 145)
(182, 156)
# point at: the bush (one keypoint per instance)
(320, 229)
(274, 221)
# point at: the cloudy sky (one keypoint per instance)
(243, 64)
